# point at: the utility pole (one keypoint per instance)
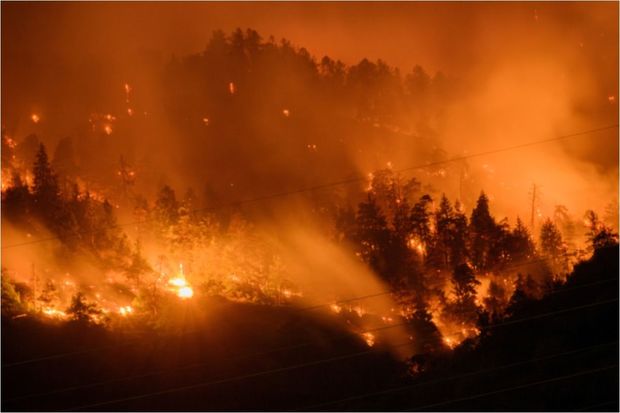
(34, 288)
(533, 212)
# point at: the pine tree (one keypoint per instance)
(373, 233)
(81, 310)
(45, 187)
(482, 227)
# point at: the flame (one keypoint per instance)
(417, 245)
(125, 311)
(335, 308)
(286, 112)
(369, 338)
(53, 313)
(232, 88)
(205, 121)
(130, 111)
(35, 118)
(185, 292)
(612, 99)
(107, 129)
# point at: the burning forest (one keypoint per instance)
(302, 210)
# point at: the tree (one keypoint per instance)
(599, 235)
(166, 206)
(138, 266)
(551, 244)
(519, 243)
(45, 187)
(16, 200)
(421, 221)
(49, 293)
(464, 283)
(439, 254)
(12, 302)
(372, 233)
(482, 227)
(459, 238)
(81, 310)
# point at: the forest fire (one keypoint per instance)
(271, 198)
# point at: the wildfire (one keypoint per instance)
(417, 245)
(53, 313)
(449, 342)
(369, 338)
(35, 118)
(180, 286)
(359, 311)
(185, 292)
(125, 311)
(335, 308)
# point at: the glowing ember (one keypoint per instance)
(125, 311)
(359, 311)
(369, 338)
(205, 121)
(35, 118)
(185, 292)
(178, 282)
(232, 88)
(449, 342)
(107, 129)
(286, 112)
(335, 308)
(417, 245)
(53, 313)
(612, 99)
(130, 111)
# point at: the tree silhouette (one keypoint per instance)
(482, 228)
(81, 310)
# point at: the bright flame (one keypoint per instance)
(178, 282)
(125, 311)
(417, 245)
(185, 292)
(53, 313)
(369, 338)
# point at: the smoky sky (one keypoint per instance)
(564, 55)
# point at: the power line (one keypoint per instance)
(596, 406)
(309, 308)
(523, 386)
(278, 370)
(454, 377)
(231, 379)
(337, 183)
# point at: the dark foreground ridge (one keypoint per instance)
(557, 353)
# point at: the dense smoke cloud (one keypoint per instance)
(525, 72)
